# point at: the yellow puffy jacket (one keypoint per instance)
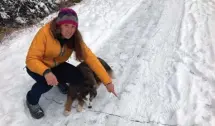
(45, 52)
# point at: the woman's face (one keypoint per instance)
(67, 30)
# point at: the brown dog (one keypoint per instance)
(90, 84)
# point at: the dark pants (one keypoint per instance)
(65, 73)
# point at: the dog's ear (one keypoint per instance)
(88, 88)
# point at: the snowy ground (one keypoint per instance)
(163, 54)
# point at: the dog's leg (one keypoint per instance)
(93, 94)
(80, 105)
(90, 100)
(90, 104)
(68, 104)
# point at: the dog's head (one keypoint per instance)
(89, 89)
(89, 94)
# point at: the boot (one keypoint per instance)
(35, 110)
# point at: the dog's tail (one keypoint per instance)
(107, 67)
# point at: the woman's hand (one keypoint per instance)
(110, 88)
(51, 79)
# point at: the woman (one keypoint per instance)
(47, 56)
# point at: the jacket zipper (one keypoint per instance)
(62, 51)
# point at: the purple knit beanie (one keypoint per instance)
(67, 16)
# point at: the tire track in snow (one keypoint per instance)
(129, 76)
(130, 57)
(197, 62)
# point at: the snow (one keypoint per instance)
(18, 13)
(4, 15)
(162, 53)
(42, 5)
(20, 20)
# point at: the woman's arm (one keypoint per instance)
(95, 65)
(35, 54)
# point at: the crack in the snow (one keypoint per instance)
(133, 120)
(119, 116)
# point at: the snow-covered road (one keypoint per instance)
(162, 52)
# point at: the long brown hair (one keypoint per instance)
(74, 42)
